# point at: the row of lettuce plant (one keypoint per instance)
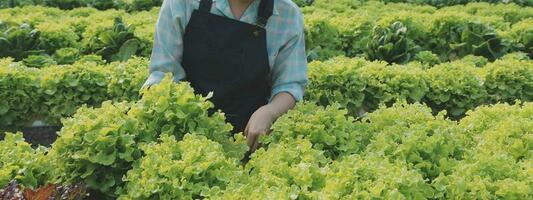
(361, 86)
(356, 84)
(128, 5)
(166, 146)
(395, 33)
(58, 91)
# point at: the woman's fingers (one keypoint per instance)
(251, 139)
(255, 145)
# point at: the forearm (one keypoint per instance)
(280, 104)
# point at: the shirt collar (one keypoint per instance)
(223, 6)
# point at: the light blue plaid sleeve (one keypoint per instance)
(289, 73)
(168, 44)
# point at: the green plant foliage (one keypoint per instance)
(66, 56)
(336, 81)
(192, 168)
(117, 44)
(499, 164)
(358, 177)
(388, 84)
(14, 3)
(19, 94)
(521, 35)
(303, 3)
(91, 58)
(173, 109)
(328, 129)
(410, 133)
(64, 89)
(38, 61)
(508, 79)
(19, 161)
(391, 44)
(477, 61)
(127, 79)
(481, 40)
(19, 42)
(427, 58)
(97, 146)
(444, 3)
(321, 38)
(286, 170)
(139, 5)
(485, 118)
(56, 36)
(104, 4)
(65, 4)
(455, 87)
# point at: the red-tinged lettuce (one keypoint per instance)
(360, 177)
(20, 162)
(328, 129)
(286, 170)
(192, 168)
(410, 133)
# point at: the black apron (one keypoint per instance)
(229, 58)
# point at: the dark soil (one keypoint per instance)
(41, 135)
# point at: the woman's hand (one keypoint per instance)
(259, 124)
(262, 119)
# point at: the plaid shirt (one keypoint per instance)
(285, 42)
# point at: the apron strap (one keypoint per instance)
(265, 11)
(205, 5)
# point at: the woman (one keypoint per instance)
(249, 53)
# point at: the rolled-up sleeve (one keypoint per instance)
(168, 44)
(289, 73)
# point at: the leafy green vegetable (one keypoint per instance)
(117, 44)
(388, 84)
(286, 170)
(66, 56)
(19, 94)
(192, 168)
(174, 109)
(427, 58)
(96, 146)
(391, 44)
(19, 161)
(499, 164)
(20, 42)
(410, 133)
(455, 87)
(508, 79)
(359, 177)
(39, 61)
(328, 129)
(337, 81)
